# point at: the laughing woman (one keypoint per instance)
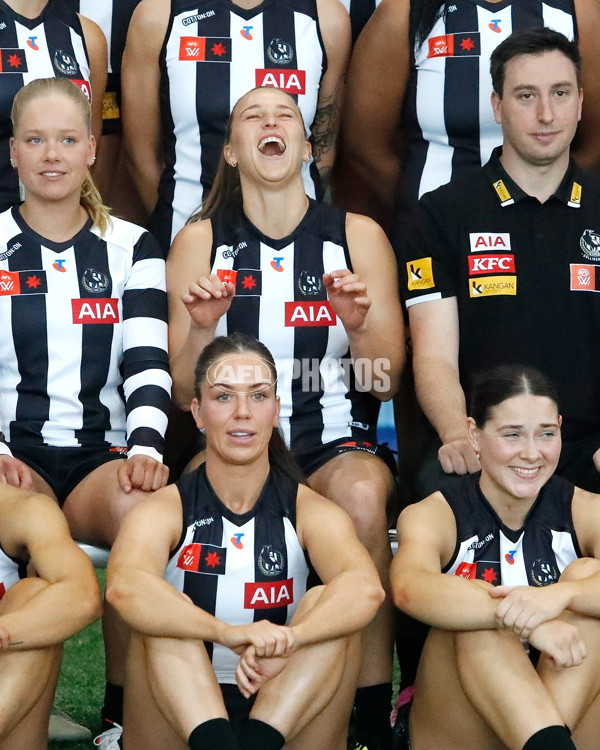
(507, 560)
(230, 650)
(84, 383)
(319, 288)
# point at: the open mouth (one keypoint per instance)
(271, 145)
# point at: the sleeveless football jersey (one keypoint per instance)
(280, 299)
(213, 54)
(360, 12)
(83, 350)
(448, 119)
(49, 46)
(534, 555)
(239, 568)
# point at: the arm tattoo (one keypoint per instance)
(325, 129)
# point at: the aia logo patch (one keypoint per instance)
(291, 81)
(269, 595)
(203, 558)
(84, 86)
(104, 310)
(299, 314)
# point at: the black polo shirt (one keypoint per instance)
(526, 276)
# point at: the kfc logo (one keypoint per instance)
(486, 263)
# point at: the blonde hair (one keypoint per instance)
(90, 198)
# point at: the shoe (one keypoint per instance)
(63, 728)
(109, 739)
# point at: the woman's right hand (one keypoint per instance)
(267, 638)
(208, 299)
(560, 641)
(15, 472)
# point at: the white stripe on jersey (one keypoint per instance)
(79, 49)
(332, 371)
(430, 111)
(512, 562)
(563, 548)
(557, 19)
(39, 64)
(101, 13)
(252, 54)
(63, 387)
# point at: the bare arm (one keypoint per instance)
(196, 303)
(426, 539)
(336, 33)
(140, 91)
(435, 337)
(377, 79)
(34, 525)
(150, 605)
(586, 146)
(98, 55)
(351, 582)
(376, 329)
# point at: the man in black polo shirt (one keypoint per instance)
(503, 266)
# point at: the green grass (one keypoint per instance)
(80, 689)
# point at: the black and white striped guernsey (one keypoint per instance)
(534, 555)
(280, 299)
(83, 350)
(239, 568)
(447, 125)
(213, 54)
(360, 11)
(51, 45)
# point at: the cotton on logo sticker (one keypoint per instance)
(268, 595)
(291, 81)
(487, 263)
(102, 310)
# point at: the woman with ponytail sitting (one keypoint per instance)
(84, 384)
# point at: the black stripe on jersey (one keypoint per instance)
(145, 303)
(248, 317)
(140, 358)
(487, 559)
(146, 437)
(270, 560)
(9, 185)
(62, 43)
(29, 323)
(146, 247)
(149, 394)
(541, 571)
(96, 343)
(360, 12)
(458, 70)
(309, 338)
(213, 83)
(279, 27)
(525, 16)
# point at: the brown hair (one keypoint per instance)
(226, 190)
(90, 199)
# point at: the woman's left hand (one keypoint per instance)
(252, 671)
(523, 608)
(142, 472)
(347, 297)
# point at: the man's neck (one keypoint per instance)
(539, 181)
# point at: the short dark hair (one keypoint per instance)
(492, 387)
(531, 42)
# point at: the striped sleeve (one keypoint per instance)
(145, 365)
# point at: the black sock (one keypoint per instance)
(215, 733)
(372, 706)
(112, 710)
(550, 738)
(256, 735)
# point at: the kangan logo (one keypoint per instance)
(590, 244)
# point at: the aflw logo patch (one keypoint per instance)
(22, 282)
(291, 81)
(268, 595)
(309, 314)
(101, 310)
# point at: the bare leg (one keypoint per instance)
(27, 682)
(361, 484)
(310, 701)
(170, 689)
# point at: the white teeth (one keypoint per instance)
(272, 139)
(525, 472)
(51, 174)
(240, 434)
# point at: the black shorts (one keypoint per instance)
(238, 707)
(311, 459)
(111, 107)
(63, 468)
